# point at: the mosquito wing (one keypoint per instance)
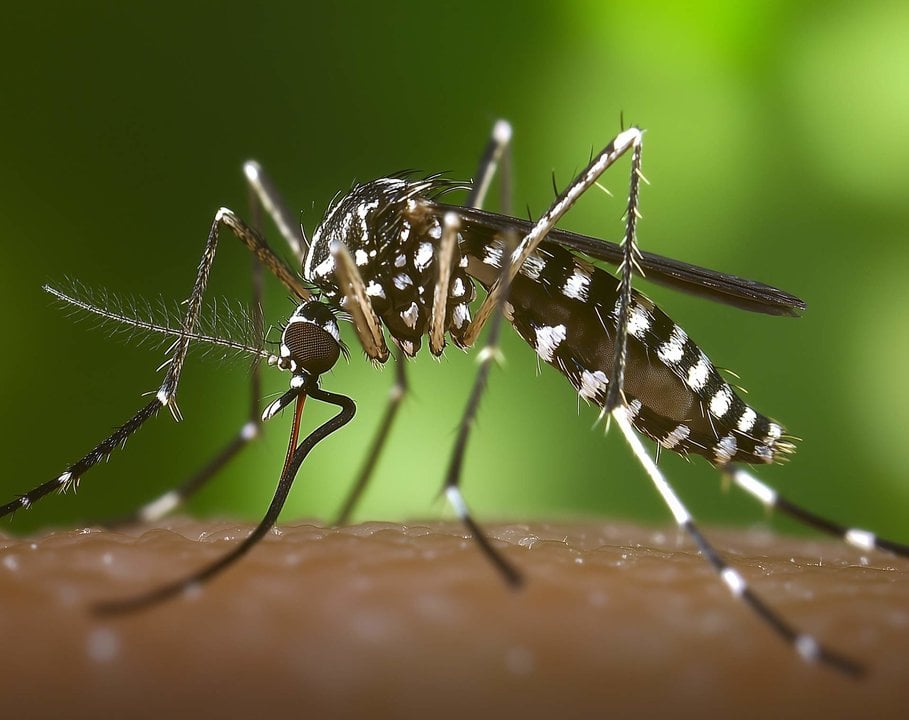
(711, 284)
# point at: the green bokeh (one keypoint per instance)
(777, 148)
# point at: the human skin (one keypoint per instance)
(391, 620)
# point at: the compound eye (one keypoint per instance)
(311, 340)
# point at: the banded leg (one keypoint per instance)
(630, 255)
(495, 153)
(451, 488)
(445, 260)
(624, 141)
(296, 454)
(268, 198)
(807, 646)
(167, 391)
(396, 395)
(262, 195)
(770, 498)
(493, 306)
(356, 301)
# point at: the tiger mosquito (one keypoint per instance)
(397, 261)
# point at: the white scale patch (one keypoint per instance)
(670, 352)
(734, 581)
(746, 420)
(331, 327)
(271, 411)
(435, 232)
(721, 401)
(577, 287)
(699, 373)
(492, 254)
(638, 321)
(592, 384)
(457, 288)
(157, 509)
(423, 257)
(548, 340)
(807, 647)
(764, 453)
(634, 407)
(679, 433)
(364, 208)
(346, 223)
(249, 431)
(400, 261)
(375, 290)
(725, 449)
(774, 432)
(533, 266)
(402, 280)
(405, 231)
(360, 257)
(755, 488)
(861, 539)
(410, 315)
(325, 267)
(460, 316)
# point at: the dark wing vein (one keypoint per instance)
(710, 284)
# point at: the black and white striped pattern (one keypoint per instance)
(387, 228)
(566, 308)
(399, 261)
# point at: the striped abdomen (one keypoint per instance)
(565, 309)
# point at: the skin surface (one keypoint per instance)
(385, 620)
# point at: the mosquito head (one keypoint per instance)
(311, 341)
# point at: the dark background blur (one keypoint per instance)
(777, 148)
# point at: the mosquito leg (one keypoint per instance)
(807, 646)
(486, 356)
(630, 255)
(266, 256)
(862, 539)
(269, 198)
(445, 261)
(167, 391)
(624, 141)
(396, 395)
(453, 477)
(494, 154)
(172, 499)
(293, 460)
(356, 302)
(71, 476)
(261, 249)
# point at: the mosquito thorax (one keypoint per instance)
(310, 341)
(390, 230)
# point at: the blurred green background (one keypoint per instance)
(777, 148)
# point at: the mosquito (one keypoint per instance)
(400, 262)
